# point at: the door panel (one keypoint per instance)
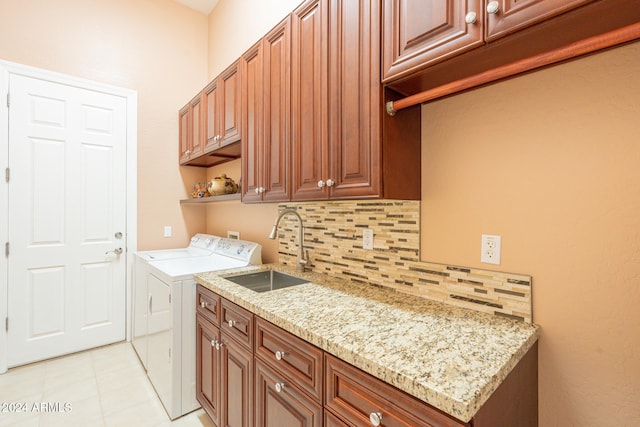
(67, 154)
(309, 100)
(417, 34)
(354, 76)
(97, 307)
(514, 15)
(47, 296)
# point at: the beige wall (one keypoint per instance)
(156, 47)
(236, 25)
(550, 161)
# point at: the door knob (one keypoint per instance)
(116, 251)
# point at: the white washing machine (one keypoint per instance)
(164, 318)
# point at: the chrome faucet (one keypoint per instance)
(302, 260)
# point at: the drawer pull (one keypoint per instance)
(375, 418)
(280, 355)
(203, 304)
(280, 387)
(232, 323)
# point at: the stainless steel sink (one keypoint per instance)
(266, 280)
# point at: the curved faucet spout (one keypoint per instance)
(302, 260)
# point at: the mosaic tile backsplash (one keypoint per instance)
(333, 239)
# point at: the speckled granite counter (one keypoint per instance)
(451, 358)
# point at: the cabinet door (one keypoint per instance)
(279, 404)
(252, 97)
(331, 420)
(211, 117)
(513, 15)
(309, 99)
(420, 33)
(197, 137)
(277, 113)
(355, 99)
(237, 384)
(357, 396)
(184, 120)
(208, 368)
(229, 96)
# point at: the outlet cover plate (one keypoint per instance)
(491, 247)
(367, 238)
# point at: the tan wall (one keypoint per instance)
(236, 25)
(156, 47)
(550, 161)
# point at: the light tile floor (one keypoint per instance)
(103, 387)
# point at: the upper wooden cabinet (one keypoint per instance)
(430, 43)
(230, 104)
(339, 150)
(506, 16)
(266, 110)
(419, 33)
(211, 121)
(190, 123)
(309, 111)
(210, 125)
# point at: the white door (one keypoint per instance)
(67, 214)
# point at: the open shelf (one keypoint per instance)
(212, 199)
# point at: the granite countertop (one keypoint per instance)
(449, 357)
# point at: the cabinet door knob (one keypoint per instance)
(257, 190)
(330, 183)
(280, 355)
(213, 343)
(375, 418)
(471, 18)
(493, 7)
(262, 189)
(321, 184)
(280, 387)
(219, 345)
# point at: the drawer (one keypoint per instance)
(355, 395)
(297, 360)
(236, 322)
(281, 404)
(208, 305)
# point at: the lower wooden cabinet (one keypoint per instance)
(236, 397)
(280, 403)
(250, 373)
(208, 367)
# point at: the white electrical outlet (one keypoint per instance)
(168, 231)
(367, 238)
(491, 246)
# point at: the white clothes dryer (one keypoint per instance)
(165, 318)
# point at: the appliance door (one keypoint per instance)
(140, 309)
(188, 338)
(160, 341)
